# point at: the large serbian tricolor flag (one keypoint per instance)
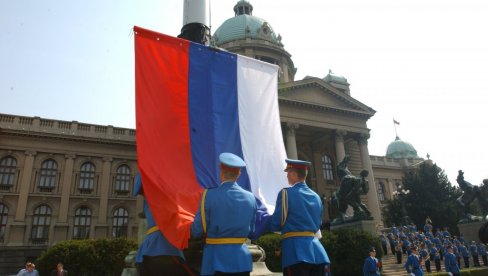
(193, 103)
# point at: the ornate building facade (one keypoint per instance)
(64, 180)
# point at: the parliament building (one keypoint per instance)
(63, 180)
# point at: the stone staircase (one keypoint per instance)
(390, 266)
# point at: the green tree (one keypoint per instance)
(430, 194)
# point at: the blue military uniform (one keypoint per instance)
(371, 265)
(155, 253)
(451, 264)
(229, 215)
(482, 253)
(413, 265)
(424, 253)
(473, 249)
(464, 253)
(298, 217)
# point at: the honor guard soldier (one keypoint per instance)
(298, 214)
(464, 253)
(473, 250)
(225, 219)
(413, 265)
(156, 254)
(450, 263)
(371, 264)
(482, 253)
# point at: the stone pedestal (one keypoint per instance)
(258, 266)
(366, 225)
(470, 230)
(130, 269)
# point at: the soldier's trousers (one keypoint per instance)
(437, 265)
(399, 257)
(218, 273)
(476, 260)
(485, 260)
(427, 265)
(304, 269)
(164, 265)
(466, 262)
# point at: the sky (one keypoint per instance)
(422, 62)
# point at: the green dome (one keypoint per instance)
(401, 149)
(243, 26)
(331, 77)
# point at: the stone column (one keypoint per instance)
(291, 142)
(339, 144)
(104, 193)
(373, 202)
(25, 185)
(66, 188)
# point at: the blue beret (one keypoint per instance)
(231, 160)
(297, 164)
(137, 185)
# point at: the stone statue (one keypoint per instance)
(348, 194)
(470, 193)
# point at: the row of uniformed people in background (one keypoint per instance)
(225, 219)
(433, 247)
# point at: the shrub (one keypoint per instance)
(347, 249)
(271, 244)
(87, 257)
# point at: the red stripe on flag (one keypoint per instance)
(163, 133)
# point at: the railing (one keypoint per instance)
(36, 124)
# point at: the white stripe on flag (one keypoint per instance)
(260, 128)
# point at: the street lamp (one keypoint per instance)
(401, 194)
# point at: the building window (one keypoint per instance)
(327, 168)
(7, 172)
(3, 220)
(87, 178)
(40, 224)
(82, 223)
(381, 191)
(120, 223)
(47, 180)
(122, 180)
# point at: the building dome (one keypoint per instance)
(401, 149)
(244, 25)
(331, 77)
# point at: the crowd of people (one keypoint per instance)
(428, 249)
(30, 270)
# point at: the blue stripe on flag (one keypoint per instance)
(213, 108)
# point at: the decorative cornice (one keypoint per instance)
(316, 82)
(324, 108)
(53, 136)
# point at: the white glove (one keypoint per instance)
(318, 234)
(411, 274)
(449, 273)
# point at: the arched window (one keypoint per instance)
(120, 223)
(327, 168)
(122, 179)
(40, 224)
(87, 178)
(381, 191)
(3, 220)
(81, 229)
(7, 172)
(47, 179)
